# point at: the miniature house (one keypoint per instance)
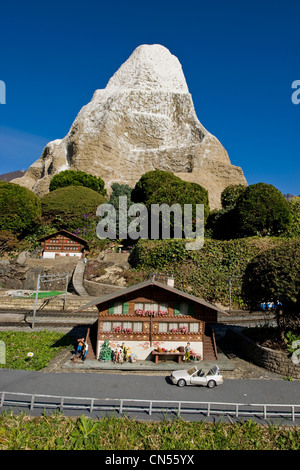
(153, 315)
(63, 243)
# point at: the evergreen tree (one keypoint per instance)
(105, 352)
(20, 209)
(261, 210)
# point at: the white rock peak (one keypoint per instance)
(144, 119)
(150, 67)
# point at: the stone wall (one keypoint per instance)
(97, 289)
(23, 272)
(272, 360)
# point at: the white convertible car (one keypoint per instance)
(197, 376)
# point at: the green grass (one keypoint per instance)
(58, 432)
(44, 345)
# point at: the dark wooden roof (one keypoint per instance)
(64, 232)
(142, 285)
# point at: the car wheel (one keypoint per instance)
(211, 384)
(181, 383)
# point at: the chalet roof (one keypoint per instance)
(65, 232)
(141, 285)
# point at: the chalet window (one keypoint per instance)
(163, 327)
(107, 326)
(184, 309)
(138, 326)
(164, 307)
(194, 327)
(173, 326)
(118, 308)
(152, 307)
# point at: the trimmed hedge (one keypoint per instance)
(20, 208)
(261, 210)
(67, 208)
(77, 178)
(205, 272)
(274, 275)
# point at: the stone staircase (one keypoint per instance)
(209, 346)
(78, 277)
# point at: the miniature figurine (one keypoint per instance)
(187, 352)
(79, 346)
(130, 355)
(85, 351)
(118, 356)
(124, 352)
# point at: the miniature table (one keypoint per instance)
(179, 355)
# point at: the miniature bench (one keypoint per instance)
(157, 354)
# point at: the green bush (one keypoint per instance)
(293, 230)
(274, 276)
(261, 210)
(157, 254)
(151, 182)
(180, 192)
(70, 207)
(8, 241)
(221, 224)
(204, 272)
(231, 194)
(120, 190)
(159, 187)
(20, 208)
(77, 178)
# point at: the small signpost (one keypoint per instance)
(50, 278)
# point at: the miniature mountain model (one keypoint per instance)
(143, 120)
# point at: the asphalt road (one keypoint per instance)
(147, 387)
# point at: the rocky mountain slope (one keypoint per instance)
(143, 120)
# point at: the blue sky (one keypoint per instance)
(239, 58)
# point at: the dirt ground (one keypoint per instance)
(247, 370)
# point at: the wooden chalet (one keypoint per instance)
(152, 315)
(63, 243)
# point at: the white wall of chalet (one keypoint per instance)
(142, 349)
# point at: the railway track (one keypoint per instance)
(23, 319)
(68, 320)
(248, 320)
